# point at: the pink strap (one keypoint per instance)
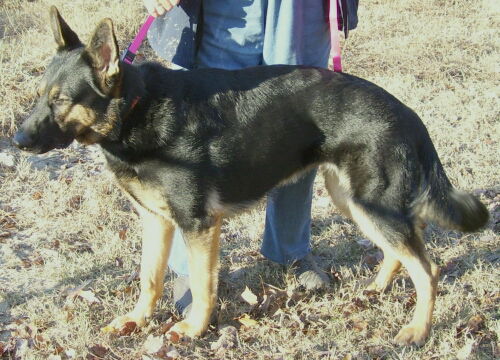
(334, 36)
(129, 55)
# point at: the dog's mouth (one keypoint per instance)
(24, 142)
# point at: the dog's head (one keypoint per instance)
(76, 90)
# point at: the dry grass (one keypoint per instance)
(63, 223)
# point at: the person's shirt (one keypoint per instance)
(175, 36)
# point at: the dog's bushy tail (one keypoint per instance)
(444, 205)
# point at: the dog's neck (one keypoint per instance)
(132, 89)
(135, 114)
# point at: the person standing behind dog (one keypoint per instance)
(237, 34)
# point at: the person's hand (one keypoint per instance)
(159, 7)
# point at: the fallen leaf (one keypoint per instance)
(355, 305)
(465, 351)
(26, 263)
(373, 259)
(70, 353)
(7, 160)
(323, 201)
(336, 275)
(38, 260)
(273, 299)
(98, 350)
(37, 195)
(153, 344)
(41, 342)
(118, 262)
(476, 323)
(249, 296)
(128, 328)
(87, 295)
(82, 247)
(55, 244)
(173, 337)
(75, 202)
(377, 352)
(367, 244)
(294, 296)
(167, 326)
(58, 349)
(20, 348)
(122, 234)
(228, 339)
(246, 320)
(411, 301)
(134, 276)
(172, 354)
(357, 324)
(473, 326)
(451, 268)
(372, 296)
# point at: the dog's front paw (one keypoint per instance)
(373, 285)
(411, 334)
(125, 325)
(187, 328)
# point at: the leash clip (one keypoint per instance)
(128, 56)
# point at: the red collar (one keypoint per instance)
(134, 102)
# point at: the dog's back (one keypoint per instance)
(298, 117)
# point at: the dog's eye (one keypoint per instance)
(59, 101)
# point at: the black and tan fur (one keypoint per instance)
(192, 147)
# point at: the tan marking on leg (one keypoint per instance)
(203, 250)
(423, 272)
(338, 186)
(389, 267)
(156, 243)
(144, 196)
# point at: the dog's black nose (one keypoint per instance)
(22, 140)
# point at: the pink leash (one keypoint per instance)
(333, 20)
(129, 55)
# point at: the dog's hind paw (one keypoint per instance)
(412, 335)
(186, 328)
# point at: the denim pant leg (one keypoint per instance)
(178, 259)
(288, 221)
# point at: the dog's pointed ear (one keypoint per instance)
(64, 36)
(104, 53)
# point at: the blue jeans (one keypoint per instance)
(239, 34)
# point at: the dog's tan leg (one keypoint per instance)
(156, 243)
(337, 184)
(203, 250)
(411, 253)
(389, 267)
(425, 274)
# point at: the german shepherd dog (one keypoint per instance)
(192, 147)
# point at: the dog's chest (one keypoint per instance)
(145, 195)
